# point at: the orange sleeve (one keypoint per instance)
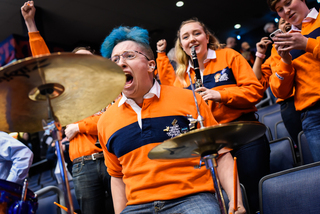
(248, 89)
(313, 46)
(165, 70)
(282, 80)
(89, 125)
(266, 73)
(37, 45)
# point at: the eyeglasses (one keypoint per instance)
(127, 55)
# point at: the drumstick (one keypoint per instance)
(235, 186)
(62, 207)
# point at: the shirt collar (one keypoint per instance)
(313, 14)
(211, 55)
(154, 91)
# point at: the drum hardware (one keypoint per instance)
(78, 86)
(205, 143)
(61, 87)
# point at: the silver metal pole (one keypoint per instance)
(211, 164)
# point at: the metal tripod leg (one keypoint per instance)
(65, 182)
(211, 164)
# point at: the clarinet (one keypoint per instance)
(198, 82)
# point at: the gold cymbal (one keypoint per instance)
(209, 140)
(79, 85)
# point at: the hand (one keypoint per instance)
(208, 94)
(28, 10)
(263, 45)
(241, 209)
(290, 41)
(284, 54)
(72, 130)
(161, 45)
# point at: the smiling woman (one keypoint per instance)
(231, 90)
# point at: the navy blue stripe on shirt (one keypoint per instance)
(296, 53)
(131, 137)
(219, 78)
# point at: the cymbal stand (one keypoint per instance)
(211, 164)
(53, 125)
(200, 118)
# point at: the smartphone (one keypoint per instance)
(274, 33)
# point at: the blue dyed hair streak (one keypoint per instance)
(121, 34)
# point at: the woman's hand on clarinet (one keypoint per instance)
(208, 94)
(161, 45)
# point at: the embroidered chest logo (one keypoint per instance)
(223, 76)
(174, 130)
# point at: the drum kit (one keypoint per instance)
(51, 91)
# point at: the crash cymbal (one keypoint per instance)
(79, 85)
(209, 140)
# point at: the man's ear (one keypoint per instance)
(152, 65)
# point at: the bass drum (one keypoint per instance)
(10, 199)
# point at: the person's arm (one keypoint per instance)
(282, 80)
(261, 50)
(85, 126)
(20, 156)
(37, 44)
(118, 194)
(28, 12)
(247, 92)
(225, 174)
(165, 70)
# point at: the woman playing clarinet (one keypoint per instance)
(230, 89)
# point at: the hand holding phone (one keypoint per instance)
(274, 33)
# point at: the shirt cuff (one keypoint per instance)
(34, 35)
(224, 96)
(311, 44)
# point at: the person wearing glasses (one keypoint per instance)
(145, 116)
(90, 177)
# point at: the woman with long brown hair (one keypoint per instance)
(231, 90)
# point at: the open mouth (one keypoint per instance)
(287, 28)
(129, 79)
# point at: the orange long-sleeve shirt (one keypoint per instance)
(267, 71)
(84, 142)
(304, 71)
(229, 74)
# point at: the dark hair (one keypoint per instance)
(87, 48)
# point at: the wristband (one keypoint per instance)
(160, 51)
(260, 55)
